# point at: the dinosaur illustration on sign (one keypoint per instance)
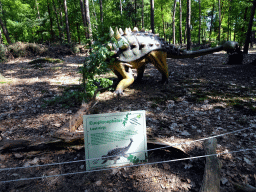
(116, 153)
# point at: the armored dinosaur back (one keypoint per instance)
(134, 45)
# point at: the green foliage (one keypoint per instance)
(24, 24)
(96, 64)
(133, 159)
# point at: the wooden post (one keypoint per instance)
(211, 180)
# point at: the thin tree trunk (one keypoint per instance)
(54, 7)
(163, 20)
(142, 13)
(180, 22)
(245, 20)
(78, 33)
(229, 22)
(58, 22)
(211, 21)
(121, 7)
(173, 22)
(5, 32)
(38, 13)
(83, 16)
(249, 31)
(219, 21)
(61, 19)
(1, 38)
(88, 18)
(101, 12)
(188, 24)
(51, 21)
(152, 16)
(199, 30)
(235, 30)
(135, 10)
(94, 12)
(185, 34)
(67, 24)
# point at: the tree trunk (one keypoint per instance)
(152, 16)
(142, 13)
(135, 11)
(94, 12)
(229, 22)
(211, 21)
(0, 41)
(199, 30)
(245, 20)
(219, 20)
(180, 22)
(249, 31)
(5, 32)
(121, 7)
(173, 22)
(38, 13)
(88, 18)
(188, 24)
(163, 20)
(185, 34)
(61, 17)
(101, 12)
(57, 18)
(78, 33)
(51, 21)
(235, 30)
(83, 16)
(66, 17)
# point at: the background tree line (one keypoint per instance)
(79, 21)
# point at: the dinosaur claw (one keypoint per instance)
(119, 92)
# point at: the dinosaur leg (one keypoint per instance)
(140, 66)
(127, 78)
(140, 72)
(158, 59)
(119, 76)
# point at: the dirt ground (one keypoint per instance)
(204, 97)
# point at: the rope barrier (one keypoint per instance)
(177, 144)
(137, 165)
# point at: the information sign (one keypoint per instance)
(113, 139)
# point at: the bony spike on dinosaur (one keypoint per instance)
(133, 49)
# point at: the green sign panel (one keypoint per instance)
(115, 139)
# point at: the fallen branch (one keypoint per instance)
(211, 180)
(6, 144)
(243, 187)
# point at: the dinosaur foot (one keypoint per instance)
(119, 92)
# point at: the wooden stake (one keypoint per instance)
(211, 180)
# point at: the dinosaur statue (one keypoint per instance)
(116, 153)
(133, 49)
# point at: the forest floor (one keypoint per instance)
(204, 97)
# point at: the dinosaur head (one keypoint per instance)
(231, 47)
